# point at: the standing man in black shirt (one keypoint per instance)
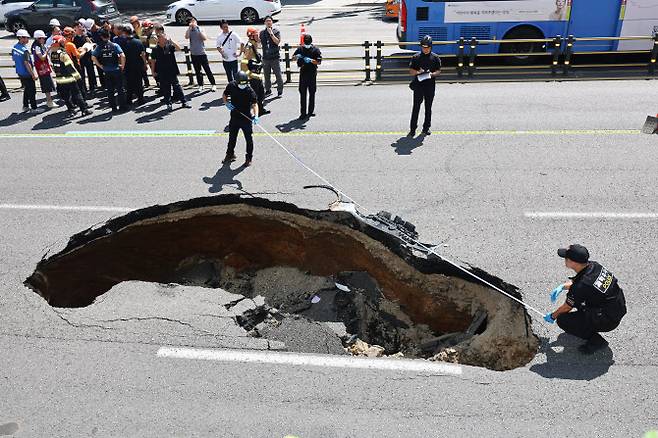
(424, 67)
(243, 105)
(594, 291)
(308, 58)
(135, 66)
(165, 70)
(270, 38)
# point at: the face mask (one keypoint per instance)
(242, 86)
(307, 46)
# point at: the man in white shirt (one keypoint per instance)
(230, 46)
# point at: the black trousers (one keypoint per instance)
(3, 89)
(586, 324)
(88, 71)
(201, 61)
(134, 85)
(234, 127)
(231, 69)
(257, 86)
(114, 84)
(307, 85)
(29, 92)
(167, 84)
(70, 94)
(423, 93)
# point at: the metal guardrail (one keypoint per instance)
(558, 51)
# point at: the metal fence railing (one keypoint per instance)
(366, 61)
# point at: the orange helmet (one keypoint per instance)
(252, 31)
(58, 39)
(146, 24)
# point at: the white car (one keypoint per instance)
(11, 5)
(248, 11)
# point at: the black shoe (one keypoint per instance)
(170, 107)
(246, 163)
(279, 93)
(427, 132)
(185, 105)
(141, 102)
(228, 159)
(268, 92)
(87, 112)
(302, 117)
(71, 112)
(593, 345)
(312, 115)
(266, 111)
(5, 97)
(411, 133)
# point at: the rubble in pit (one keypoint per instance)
(349, 307)
(410, 301)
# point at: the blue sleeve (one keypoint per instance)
(119, 49)
(96, 51)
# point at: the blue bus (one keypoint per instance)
(528, 19)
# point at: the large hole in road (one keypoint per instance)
(334, 267)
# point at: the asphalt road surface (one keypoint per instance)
(512, 172)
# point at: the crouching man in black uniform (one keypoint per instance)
(424, 67)
(243, 105)
(594, 291)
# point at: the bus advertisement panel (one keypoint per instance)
(528, 19)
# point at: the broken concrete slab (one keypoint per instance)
(188, 239)
(304, 336)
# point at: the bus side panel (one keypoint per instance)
(594, 18)
(640, 19)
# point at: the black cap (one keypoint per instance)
(308, 39)
(577, 253)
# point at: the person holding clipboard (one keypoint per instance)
(424, 68)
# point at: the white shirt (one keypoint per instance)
(232, 46)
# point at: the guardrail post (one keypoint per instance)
(654, 54)
(378, 64)
(460, 56)
(557, 48)
(366, 45)
(471, 56)
(188, 62)
(567, 55)
(286, 57)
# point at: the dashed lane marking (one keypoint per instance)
(311, 360)
(208, 133)
(589, 215)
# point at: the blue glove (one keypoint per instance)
(230, 106)
(556, 293)
(298, 56)
(307, 60)
(255, 119)
(548, 318)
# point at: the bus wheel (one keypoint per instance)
(522, 33)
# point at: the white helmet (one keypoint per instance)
(82, 21)
(89, 23)
(54, 22)
(22, 33)
(39, 34)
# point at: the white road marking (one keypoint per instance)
(592, 215)
(65, 208)
(311, 360)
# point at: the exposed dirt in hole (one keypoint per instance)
(399, 296)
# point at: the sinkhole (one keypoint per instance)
(332, 266)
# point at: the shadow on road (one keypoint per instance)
(16, 118)
(293, 125)
(53, 120)
(405, 145)
(224, 176)
(570, 364)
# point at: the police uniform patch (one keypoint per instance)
(603, 281)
